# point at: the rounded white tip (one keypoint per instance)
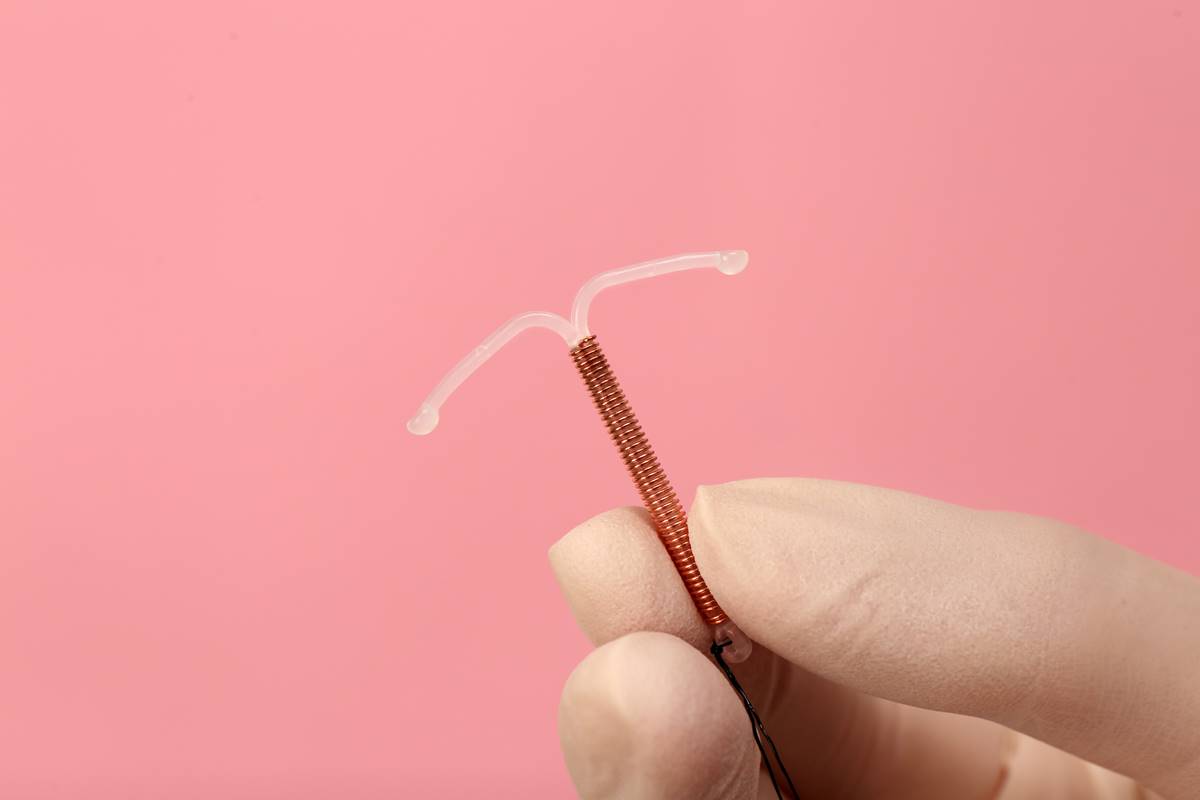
(424, 422)
(733, 261)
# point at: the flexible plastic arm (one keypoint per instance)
(730, 262)
(425, 420)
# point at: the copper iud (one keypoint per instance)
(730, 645)
(656, 491)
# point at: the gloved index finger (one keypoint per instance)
(1026, 621)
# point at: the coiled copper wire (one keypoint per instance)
(659, 497)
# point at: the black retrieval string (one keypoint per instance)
(756, 727)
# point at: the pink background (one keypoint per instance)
(240, 241)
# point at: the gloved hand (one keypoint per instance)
(904, 648)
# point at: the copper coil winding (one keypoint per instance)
(658, 496)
